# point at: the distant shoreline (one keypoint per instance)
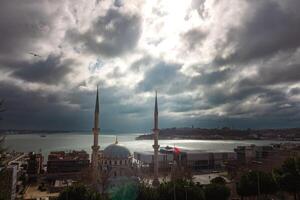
(291, 134)
(39, 132)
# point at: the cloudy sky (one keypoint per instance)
(214, 63)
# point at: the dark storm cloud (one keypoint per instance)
(279, 73)
(111, 35)
(117, 112)
(211, 78)
(23, 24)
(164, 77)
(273, 104)
(268, 28)
(295, 91)
(50, 71)
(266, 42)
(36, 109)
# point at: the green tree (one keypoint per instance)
(288, 177)
(216, 192)
(127, 191)
(78, 192)
(254, 183)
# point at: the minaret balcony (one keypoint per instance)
(95, 148)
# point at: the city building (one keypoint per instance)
(263, 158)
(195, 160)
(245, 154)
(67, 162)
(8, 182)
(145, 160)
(34, 165)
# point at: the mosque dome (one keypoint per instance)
(116, 151)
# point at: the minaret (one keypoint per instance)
(96, 130)
(155, 146)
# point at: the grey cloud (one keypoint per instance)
(142, 63)
(268, 29)
(23, 25)
(295, 91)
(199, 5)
(119, 33)
(164, 77)
(35, 109)
(211, 78)
(194, 37)
(50, 71)
(278, 73)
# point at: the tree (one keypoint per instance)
(179, 189)
(288, 176)
(218, 180)
(1, 106)
(127, 191)
(147, 192)
(254, 183)
(78, 192)
(2, 138)
(216, 192)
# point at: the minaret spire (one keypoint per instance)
(155, 145)
(96, 131)
(97, 102)
(155, 112)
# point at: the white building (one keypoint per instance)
(115, 165)
(193, 159)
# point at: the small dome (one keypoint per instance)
(116, 151)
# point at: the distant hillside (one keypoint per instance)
(225, 133)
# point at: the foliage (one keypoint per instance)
(78, 192)
(147, 193)
(253, 183)
(218, 180)
(5, 179)
(288, 176)
(125, 192)
(2, 138)
(1, 106)
(179, 189)
(216, 192)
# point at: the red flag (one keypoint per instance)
(176, 150)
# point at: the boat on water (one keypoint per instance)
(42, 135)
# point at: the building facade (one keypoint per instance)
(63, 162)
(194, 160)
(116, 167)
